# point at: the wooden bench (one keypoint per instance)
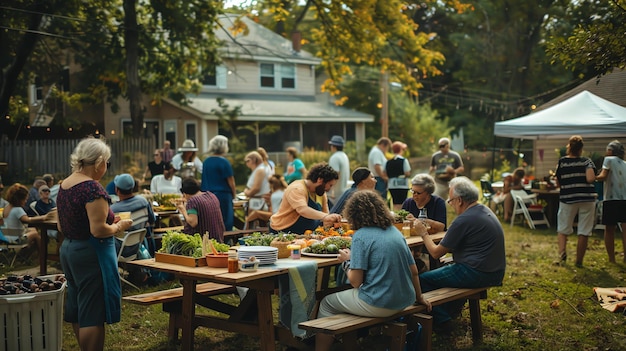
(172, 302)
(347, 325)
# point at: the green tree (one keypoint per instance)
(495, 66)
(346, 34)
(594, 40)
(160, 48)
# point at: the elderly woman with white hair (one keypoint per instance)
(424, 199)
(218, 178)
(614, 204)
(88, 254)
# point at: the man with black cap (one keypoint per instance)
(341, 164)
(363, 180)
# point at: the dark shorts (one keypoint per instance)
(613, 212)
(84, 302)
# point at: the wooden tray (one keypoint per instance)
(179, 259)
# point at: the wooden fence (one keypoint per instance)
(27, 159)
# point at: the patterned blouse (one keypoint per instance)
(72, 211)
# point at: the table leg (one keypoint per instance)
(43, 251)
(266, 320)
(188, 314)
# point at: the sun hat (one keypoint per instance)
(397, 147)
(360, 174)
(124, 181)
(336, 140)
(188, 145)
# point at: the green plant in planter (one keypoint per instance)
(401, 215)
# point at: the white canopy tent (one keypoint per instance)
(583, 114)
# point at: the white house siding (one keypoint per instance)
(244, 78)
(550, 156)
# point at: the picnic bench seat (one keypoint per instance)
(347, 325)
(172, 300)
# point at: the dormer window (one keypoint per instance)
(281, 76)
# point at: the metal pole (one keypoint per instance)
(384, 113)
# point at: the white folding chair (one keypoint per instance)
(521, 200)
(32, 207)
(132, 239)
(15, 244)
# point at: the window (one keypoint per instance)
(215, 78)
(267, 75)
(283, 73)
(288, 76)
(190, 131)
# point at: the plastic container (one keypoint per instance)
(32, 322)
(295, 251)
(248, 266)
(217, 261)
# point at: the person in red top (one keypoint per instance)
(201, 211)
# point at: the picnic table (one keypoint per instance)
(257, 301)
(43, 227)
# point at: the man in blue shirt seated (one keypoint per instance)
(125, 188)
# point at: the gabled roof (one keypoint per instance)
(611, 86)
(259, 43)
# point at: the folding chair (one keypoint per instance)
(487, 192)
(132, 239)
(12, 245)
(141, 219)
(32, 207)
(521, 200)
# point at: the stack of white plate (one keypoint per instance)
(264, 254)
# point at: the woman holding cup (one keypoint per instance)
(88, 253)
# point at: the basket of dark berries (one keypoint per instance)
(31, 311)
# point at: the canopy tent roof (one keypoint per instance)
(582, 114)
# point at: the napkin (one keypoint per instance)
(297, 294)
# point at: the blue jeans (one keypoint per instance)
(456, 275)
(381, 187)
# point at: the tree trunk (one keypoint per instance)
(10, 73)
(131, 38)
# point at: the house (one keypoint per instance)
(274, 82)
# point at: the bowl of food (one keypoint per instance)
(249, 265)
(217, 261)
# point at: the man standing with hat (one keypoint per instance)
(186, 158)
(341, 164)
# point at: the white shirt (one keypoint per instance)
(339, 162)
(161, 185)
(376, 157)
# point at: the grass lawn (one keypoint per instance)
(541, 306)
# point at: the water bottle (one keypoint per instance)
(423, 216)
